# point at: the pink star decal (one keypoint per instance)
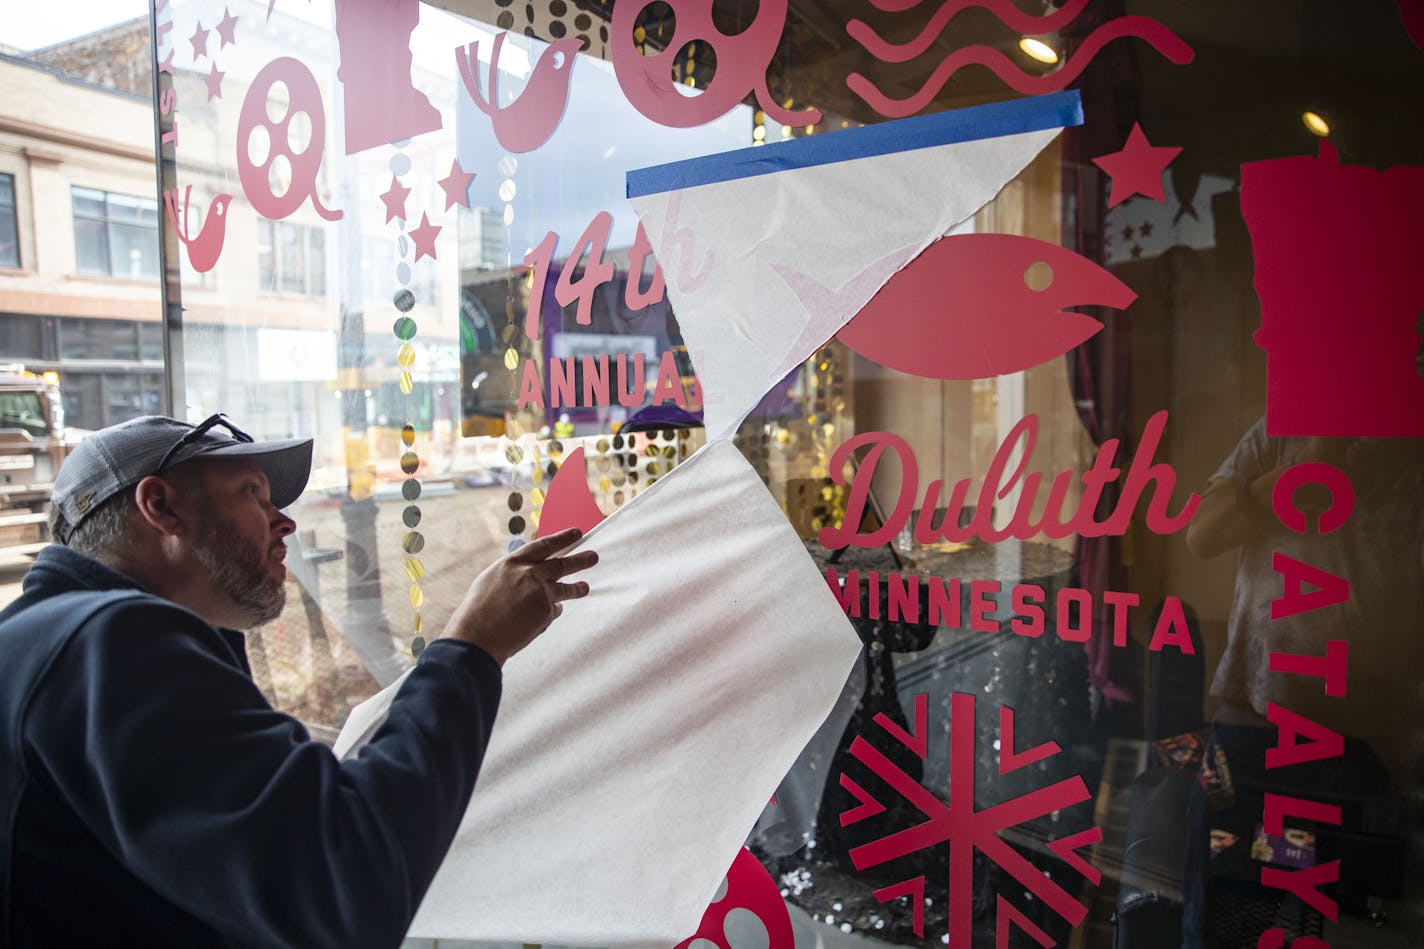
(167, 64)
(199, 39)
(394, 200)
(214, 80)
(1138, 168)
(457, 186)
(424, 237)
(226, 28)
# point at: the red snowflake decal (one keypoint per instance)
(967, 829)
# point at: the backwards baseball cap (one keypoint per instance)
(122, 455)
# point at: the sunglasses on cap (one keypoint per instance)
(201, 429)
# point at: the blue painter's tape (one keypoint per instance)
(1057, 110)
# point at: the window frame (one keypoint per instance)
(14, 209)
(108, 220)
(274, 274)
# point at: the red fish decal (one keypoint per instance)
(204, 247)
(526, 123)
(749, 887)
(973, 306)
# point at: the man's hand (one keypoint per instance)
(518, 596)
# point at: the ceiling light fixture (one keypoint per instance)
(1036, 48)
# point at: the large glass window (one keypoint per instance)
(9, 224)
(115, 235)
(291, 258)
(1065, 563)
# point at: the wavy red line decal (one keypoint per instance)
(894, 6)
(1008, 14)
(1160, 38)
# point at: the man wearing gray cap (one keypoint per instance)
(149, 794)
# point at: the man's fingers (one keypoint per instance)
(556, 567)
(546, 547)
(569, 591)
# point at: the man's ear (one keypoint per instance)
(155, 498)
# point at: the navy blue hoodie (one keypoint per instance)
(152, 797)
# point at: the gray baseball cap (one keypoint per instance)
(122, 455)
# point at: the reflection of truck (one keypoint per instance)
(32, 444)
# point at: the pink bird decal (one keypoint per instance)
(526, 123)
(973, 306)
(204, 247)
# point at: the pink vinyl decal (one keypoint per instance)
(1337, 250)
(304, 97)
(1066, 849)
(424, 237)
(973, 306)
(1010, 15)
(965, 828)
(1159, 37)
(1137, 168)
(1010, 916)
(227, 29)
(205, 246)
(456, 186)
(382, 103)
(919, 742)
(742, 61)
(1412, 13)
(915, 890)
(394, 200)
(199, 40)
(213, 80)
(749, 887)
(868, 806)
(569, 502)
(1010, 760)
(528, 121)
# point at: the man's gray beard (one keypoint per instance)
(241, 572)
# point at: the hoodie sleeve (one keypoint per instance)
(171, 756)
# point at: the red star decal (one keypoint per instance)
(394, 200)
(457, 186)
(214, 80)
(1138, 168)
(226, 28)
(424, 237)
(199, 39)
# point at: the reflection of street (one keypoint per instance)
(462, 532)
(315, 680)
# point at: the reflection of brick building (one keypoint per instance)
(117, 57)
(79, 223)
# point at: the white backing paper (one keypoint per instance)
(735, 253)
(642, 734)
